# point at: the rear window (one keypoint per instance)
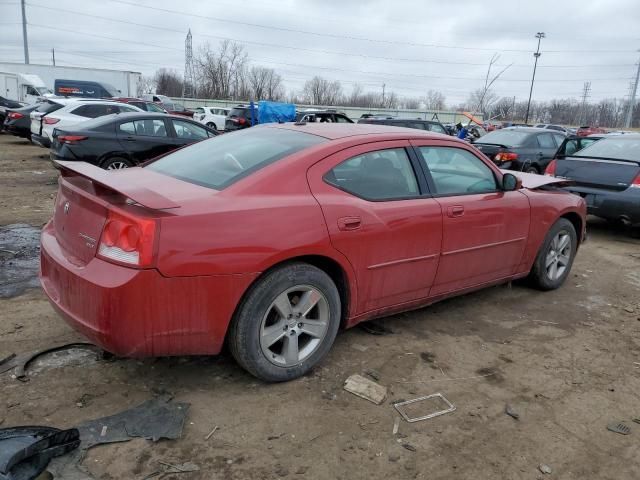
(617, 148)
(48, 107)
(241, 112)
(509, 138)
(219, 162)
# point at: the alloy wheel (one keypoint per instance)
(294, 326)
(117, 166)
(558, 255)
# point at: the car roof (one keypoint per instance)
(525, 129)
(335, 131)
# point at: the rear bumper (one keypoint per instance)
(21, 132)
(41, 140)
(137, 313)
(611, 205)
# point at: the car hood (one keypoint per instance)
(533, 180)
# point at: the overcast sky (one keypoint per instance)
(409, 45)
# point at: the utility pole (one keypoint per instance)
(539, 36)
(383, 87)
(513, 109)
(24, 34)
(632, 100)
(586, 89)
(53, 56)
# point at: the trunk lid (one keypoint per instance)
(615, 175)
(86, 193)
(36, 122)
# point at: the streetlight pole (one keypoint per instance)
(539, 36)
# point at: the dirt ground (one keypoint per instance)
(567, 361)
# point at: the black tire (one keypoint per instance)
(539, 277)
(244, 331)
(113, 162)
(532, 169)
(212, 125)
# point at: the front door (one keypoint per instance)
(144, 139)
(382, 219)
(484, 228)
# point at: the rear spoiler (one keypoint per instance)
(111, 180)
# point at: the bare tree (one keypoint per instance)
(434, 100)
(265, 84)
(168, 82)
(222, 73)
(482, 99)
(320, 91)
(410, 103)
(145, 85)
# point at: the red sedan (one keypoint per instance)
(272, 238)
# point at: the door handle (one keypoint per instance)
(349, 223)
(540, 154)
(455, 211)
(130, 139)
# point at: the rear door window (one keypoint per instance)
(457, 172)
(90, 111)
(189, 130)
(145, 128)
(434, 127)
(546, 141)
(380, 175)
(152, 107)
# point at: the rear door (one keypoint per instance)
(484, 228)
(388, 227)
(144, 139)
(547, 148)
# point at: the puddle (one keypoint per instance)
(19, 259)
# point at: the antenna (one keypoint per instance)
(188, 84)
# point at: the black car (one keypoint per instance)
(6, 104)
(126, 139)
(322, 116)
(240, 117)
(418, 123)
(18, 122)
(574, 143)
(526, 149)
(607, 175)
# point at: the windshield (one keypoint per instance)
(509, 138)
(220, 161)
(111, 90)
(43, 90)
(618, 148)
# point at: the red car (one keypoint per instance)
(271, 238)
(586, 131)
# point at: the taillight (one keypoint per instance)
(15, 115)
(506, 156)
(242, 121)
(51, 120)
(636, 182)
(551, 169)
(128, 240)
(71, 139)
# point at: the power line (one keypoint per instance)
(263, 44)
(350, 37)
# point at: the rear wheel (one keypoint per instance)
(286, 323)
(212, 125)
(555, 257)
(116, 163)
(532, 169)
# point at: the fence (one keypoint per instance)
(444, 116)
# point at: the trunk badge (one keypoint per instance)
(66, 208)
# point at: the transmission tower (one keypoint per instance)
(586, 90)
(632, 100)
(188, 85)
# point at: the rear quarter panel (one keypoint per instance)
(547, 206)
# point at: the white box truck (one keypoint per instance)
(22, 87)
(125, 82)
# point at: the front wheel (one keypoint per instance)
(287, 322)
(555, 257)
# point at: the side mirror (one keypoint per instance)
(510, 182)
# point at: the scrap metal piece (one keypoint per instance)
(619, 427)
(21, 361)
(365, 388)
(511, 412)
(398, 406)
(154, 419)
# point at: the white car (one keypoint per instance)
(212, 117)
(66, 112)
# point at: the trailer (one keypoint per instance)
(22, 87)
(125, 82)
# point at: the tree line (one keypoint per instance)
(225, 73)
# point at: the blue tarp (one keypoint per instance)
(275, 112)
